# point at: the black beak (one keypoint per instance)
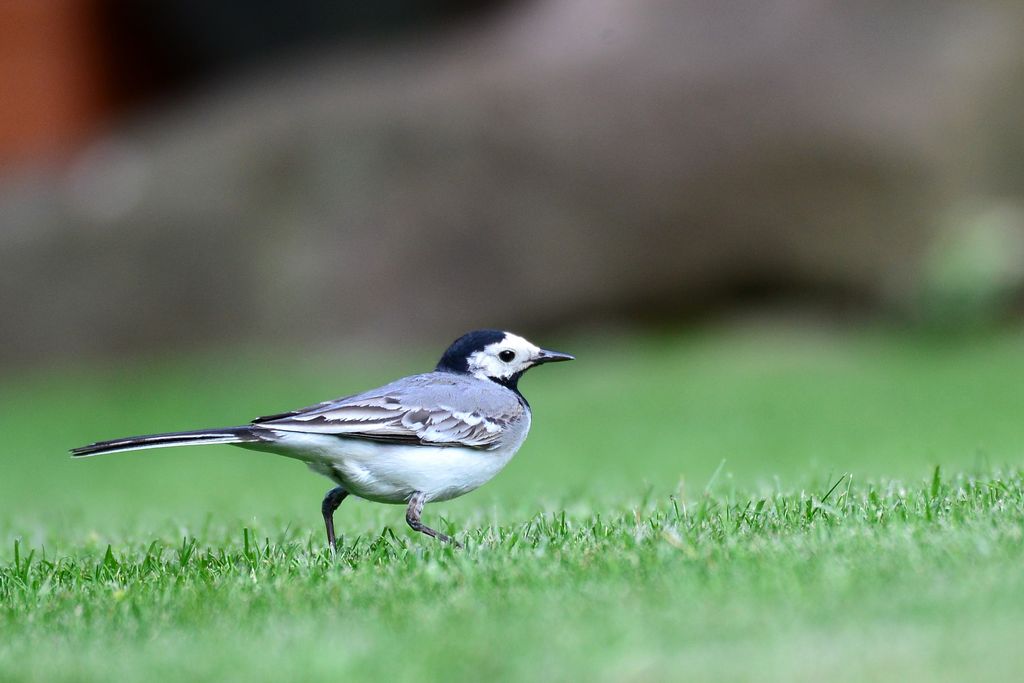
(547, 356)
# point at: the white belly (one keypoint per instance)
(391, 473)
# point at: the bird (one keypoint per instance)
(423, 438)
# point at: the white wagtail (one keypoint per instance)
(418, 439)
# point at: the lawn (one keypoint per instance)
(729, 505)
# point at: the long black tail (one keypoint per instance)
(198, 437)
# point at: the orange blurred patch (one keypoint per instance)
(53, 89)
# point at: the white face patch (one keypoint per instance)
(501, 360)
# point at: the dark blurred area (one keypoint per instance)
(73, 67)
(179, 175)
(159, 50)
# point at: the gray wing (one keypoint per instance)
(436, 409)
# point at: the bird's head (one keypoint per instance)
(499, 356)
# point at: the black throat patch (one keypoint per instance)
(513, 384)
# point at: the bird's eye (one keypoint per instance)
(507, 356)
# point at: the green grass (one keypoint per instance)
(616, 547)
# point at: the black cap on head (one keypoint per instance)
(454, 359)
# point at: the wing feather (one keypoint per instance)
(421, 410)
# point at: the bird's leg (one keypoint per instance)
(331, 502)
(412, 517)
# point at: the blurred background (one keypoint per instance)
(176, 174)
(193, 194)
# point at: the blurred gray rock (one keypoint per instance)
(568, 161)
